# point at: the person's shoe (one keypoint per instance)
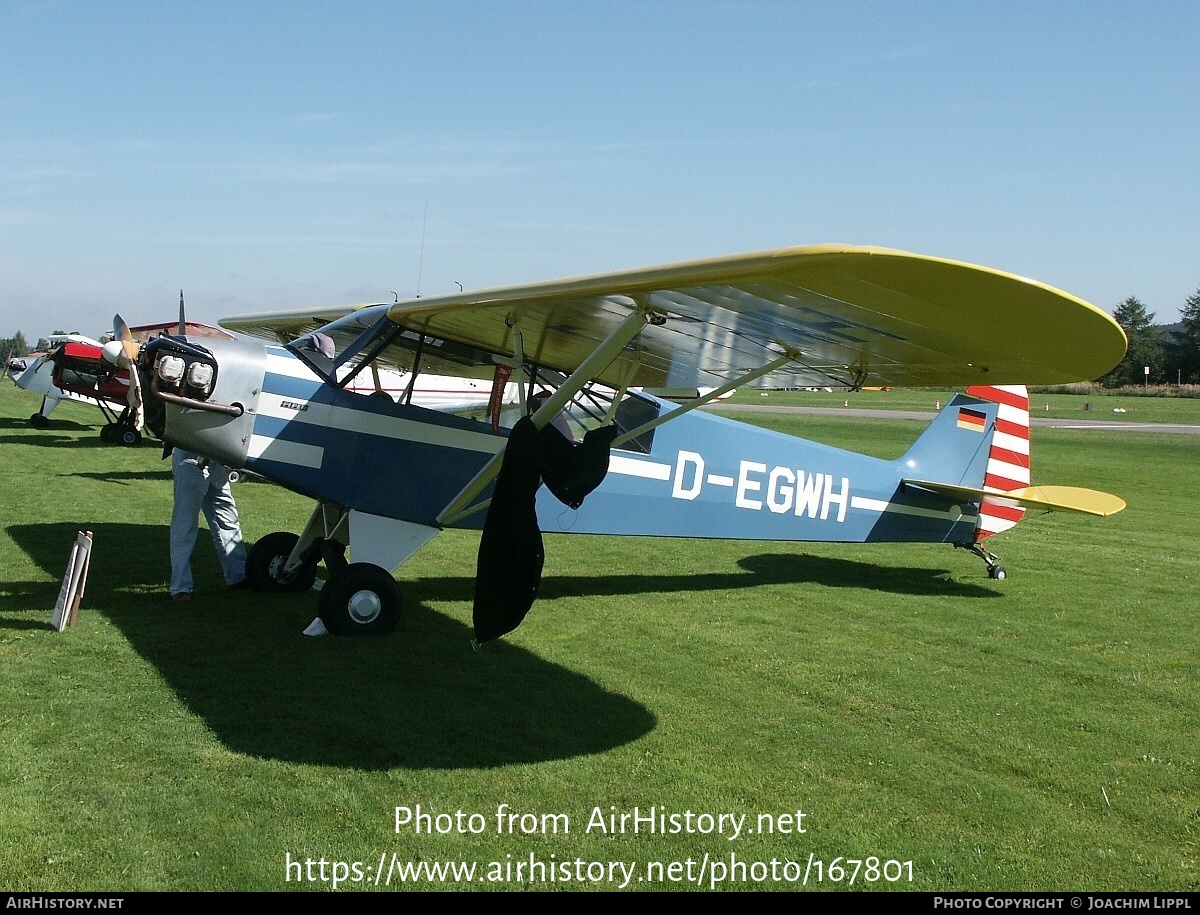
(183, 597)
(243, 585)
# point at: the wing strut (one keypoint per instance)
(707, 398)
(592, 366)
(416, 367)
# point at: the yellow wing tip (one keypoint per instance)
(1073, 498)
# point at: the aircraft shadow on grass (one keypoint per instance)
(419, 698)
(60, 425)
(763, 569)
(52, 439)
(126, 476)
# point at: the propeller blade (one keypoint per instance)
(134, 398)
(182, 322)
(129, 347)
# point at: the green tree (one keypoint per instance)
(1183, 350)
(1145, 346)
(13, 346)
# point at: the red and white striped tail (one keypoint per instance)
(1008, 459)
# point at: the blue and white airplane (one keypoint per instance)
(388, 475)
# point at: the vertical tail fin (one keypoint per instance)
(1008, 456)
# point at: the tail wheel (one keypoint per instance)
(362, 599)
(265, 562)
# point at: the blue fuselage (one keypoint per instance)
(703, 475)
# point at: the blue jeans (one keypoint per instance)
(203, 489)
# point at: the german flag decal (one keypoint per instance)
(974, 420)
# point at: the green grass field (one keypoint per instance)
(1036, 733)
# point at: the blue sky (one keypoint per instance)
(276, 155)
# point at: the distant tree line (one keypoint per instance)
(12, 347)
(1171, 356)
(17, 345)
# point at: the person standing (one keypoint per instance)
(202, 485)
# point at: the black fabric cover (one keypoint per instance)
(509, 569)
(570, 470)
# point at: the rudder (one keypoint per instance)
(1008, 456)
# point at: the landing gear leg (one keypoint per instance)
(358, 598)
(266, 565)
(123, 431)
(994, 569)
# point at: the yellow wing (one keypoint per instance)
(849, 315)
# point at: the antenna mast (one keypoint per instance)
(421, 261)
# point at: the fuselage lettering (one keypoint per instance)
(745, 484)
(780, 489)
(685, 460)
(808, 493)
(841, 499)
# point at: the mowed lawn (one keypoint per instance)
(1036, 733)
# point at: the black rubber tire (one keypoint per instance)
(267, 557)
(363, 599)
(107, 432)
(998, 573)
(38, 421)
(128, 437)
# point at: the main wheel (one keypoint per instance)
(361, 600)
(108, 433)
(128, 436)
(38, 421)
(265, 562)
(997, 572)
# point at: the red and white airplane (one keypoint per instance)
(76, 368)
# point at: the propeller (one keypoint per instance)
(182, 322)
(122, 351)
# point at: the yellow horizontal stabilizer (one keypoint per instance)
(1046, 498)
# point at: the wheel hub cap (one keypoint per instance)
(364, 606)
